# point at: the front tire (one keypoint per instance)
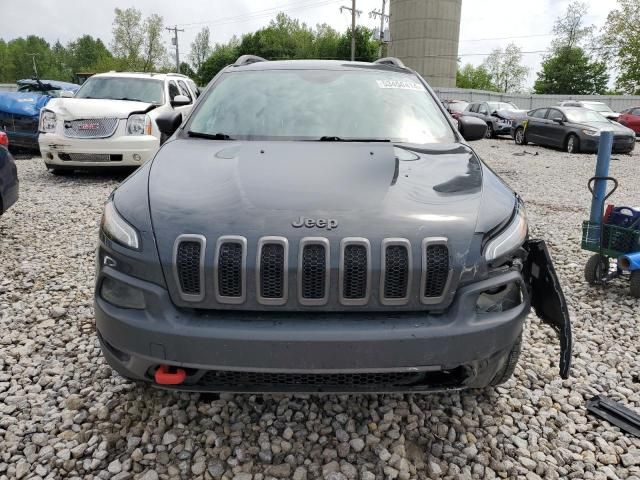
(489, 133)
(596, 269)
(572, 144)
(510, 363)
(520, 137)
(635, 284)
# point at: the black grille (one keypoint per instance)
(223, 377)
(396, 264)
(188, 263)
(437, 270)
(355, 272)
(230, 270)
(313, 272)
(272, 271)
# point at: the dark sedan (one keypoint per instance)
(573, 129)
(8, 176)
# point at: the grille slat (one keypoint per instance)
(355, 271)
(272, 271)
(435, 270)
(188, 261)
(313, 272)
(396, 267)
(230, 269)
(90, 128)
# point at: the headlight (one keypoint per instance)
(47, 121)
(117, 229)
(139, 124)
(509, 239)
(591, 133)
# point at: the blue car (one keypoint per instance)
(8, 177)
(20, 111)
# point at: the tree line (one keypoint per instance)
(578, 61)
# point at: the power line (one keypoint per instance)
(354, 12)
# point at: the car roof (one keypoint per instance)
(317, 65)
(156, 76)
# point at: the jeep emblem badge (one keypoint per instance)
(328, 223)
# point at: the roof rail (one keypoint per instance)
(247, 60)
(390, 61)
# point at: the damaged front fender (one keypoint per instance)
(547, 298)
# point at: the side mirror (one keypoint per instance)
(559, 121)
(169, 122)
(472, 128)
(180, 101)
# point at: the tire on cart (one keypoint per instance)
(635, 283)
(596, 269)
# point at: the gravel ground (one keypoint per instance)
(63, 414)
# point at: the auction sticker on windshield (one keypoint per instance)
(401, 84)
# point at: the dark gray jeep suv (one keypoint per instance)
(319, 226)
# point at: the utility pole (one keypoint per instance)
(354, 12)
(175, 31)
(383, 18)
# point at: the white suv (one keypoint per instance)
(111, 120)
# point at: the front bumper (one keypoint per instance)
(123, 151)
(23, 139)
(620, 144)
(456, 349)
(502, 128)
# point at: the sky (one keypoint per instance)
(485, 24)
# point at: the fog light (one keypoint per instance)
(137, 157)
(499, 299)
(121, 295)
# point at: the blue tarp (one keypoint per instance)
(70, 87)
(27, 104)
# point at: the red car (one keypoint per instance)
(631, 118)
(4, 140)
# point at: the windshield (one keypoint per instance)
(495, 106)
(120, 88)
(598, 107)
(580, 115)
(457, 107)
(311, 104)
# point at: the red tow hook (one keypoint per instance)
(166, 375)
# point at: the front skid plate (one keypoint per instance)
(547, 298)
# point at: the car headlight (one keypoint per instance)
(509, 239)
(591, 133)
(117, 229)
(139, 124)
(47, 121)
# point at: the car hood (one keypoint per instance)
(511, 114)
(614, 126)
(72, 108)
(257, 188)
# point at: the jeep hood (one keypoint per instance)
(80, 108)
(256, 189)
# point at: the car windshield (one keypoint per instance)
(363, 104)
(598, 107)
(121, 88)
(457, 107)
(580, 115)
(495, 106)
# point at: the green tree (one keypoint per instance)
(474, 77)
(223, 55)
(506, 69)
(200, 48)
(621, 43)
(569, 71)
(128, 36)
(366, 46)
(86, 54)
(569, 29)
(153, 49)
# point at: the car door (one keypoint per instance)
(554, 129)
(483, 112)
(174, 91)
(535, 125)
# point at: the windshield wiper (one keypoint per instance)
(131, 99)
(338, 139)
(210, 136)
